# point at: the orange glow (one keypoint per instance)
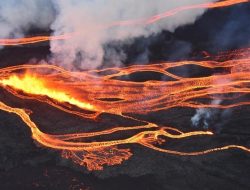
(32, 40)
(218, 4)
(88, 90)
(33, 85)
(143, 21)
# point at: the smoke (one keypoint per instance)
(234, 33)
(163, 46)
(19, 16)
(88, 20)
(209, 118)
(212, 118)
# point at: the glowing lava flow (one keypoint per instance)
(155, 18)
(33, 85)
(106, 93)
(144, 21)
(32, 40)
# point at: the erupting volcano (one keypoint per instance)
(105, 117)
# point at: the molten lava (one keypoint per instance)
(99, 92)
(36, 86)
(89, 94)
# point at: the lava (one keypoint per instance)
(144, 21)
(33, 85)
(32, 40)
(156, 18)
(100, 93)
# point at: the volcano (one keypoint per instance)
(167, 110)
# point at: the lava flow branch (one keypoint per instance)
(92, 93)
(143, 22)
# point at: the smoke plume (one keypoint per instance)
(93, 25)
(88, 20)
(212, 118)
(19, 16)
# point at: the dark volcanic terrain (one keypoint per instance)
(26, 165)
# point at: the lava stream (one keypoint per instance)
(76, 92)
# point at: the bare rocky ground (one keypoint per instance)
(26, 165)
